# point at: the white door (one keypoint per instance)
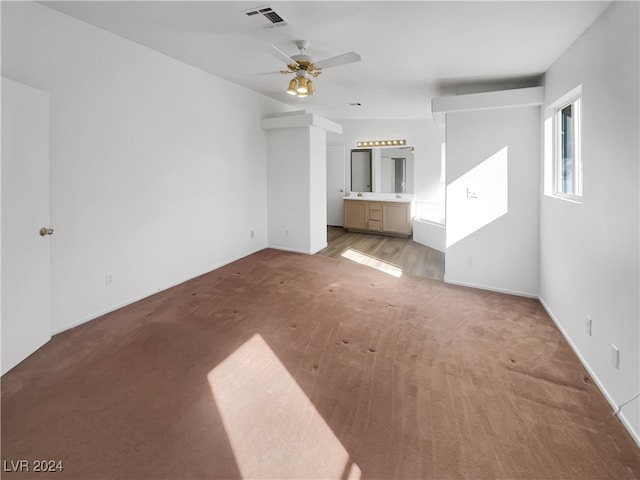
(26, 276)
(335, 184)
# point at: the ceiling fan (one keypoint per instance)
(305, 67)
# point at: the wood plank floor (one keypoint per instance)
(413, 258)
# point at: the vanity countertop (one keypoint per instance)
(382, 198)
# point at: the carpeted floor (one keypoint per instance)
(290, 366)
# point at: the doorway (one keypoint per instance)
(335, 184)
(361, 180)
(400, 175)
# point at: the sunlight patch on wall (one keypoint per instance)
(272, 426)
(478, 197)
(373, 262)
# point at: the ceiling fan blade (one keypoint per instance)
(283, 56)
(263, 74)
(351, 57)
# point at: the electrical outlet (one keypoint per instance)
(108, 279)
(251, 233)
(587, 325)
(287, 232)
(469, 261)
(615, 356)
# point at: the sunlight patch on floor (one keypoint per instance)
(274, 429)
(373, 262)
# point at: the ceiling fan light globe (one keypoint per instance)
(302, 86)
(293, 86)
(310, 88)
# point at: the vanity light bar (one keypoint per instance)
(382, 143)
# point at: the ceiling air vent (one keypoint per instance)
(267, 17)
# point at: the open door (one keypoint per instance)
(361, 179)
(26, 269)
(335, 184)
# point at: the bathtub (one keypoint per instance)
(429, 227)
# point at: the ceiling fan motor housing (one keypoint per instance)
(302, 58)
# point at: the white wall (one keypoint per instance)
(492, 199)
(421, 134)
(288, 189)
(317, 189)
(297, 189)
(158, 169)
(589, 251)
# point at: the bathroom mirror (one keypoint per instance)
(382, 170)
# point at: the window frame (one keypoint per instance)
(577, 175)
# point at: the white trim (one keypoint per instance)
(295, 250)
(517, 97)
(576, 175)
(635, 435)
(625, 422)
(300, 118)
(566, 198)
(552, 110)
(492, 289)
(137, 298)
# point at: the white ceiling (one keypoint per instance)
(411, 51)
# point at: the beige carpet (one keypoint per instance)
(290, 366)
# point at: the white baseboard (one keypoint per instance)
(319, 249)
(635, 435)
(145, 295)
(492, 289)
(294, 250)
(166, 287)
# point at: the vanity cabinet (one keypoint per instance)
(356, 215)
(394, 218)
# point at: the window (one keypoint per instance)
(567, 158)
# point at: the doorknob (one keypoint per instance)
(46, 231)
(342, 190)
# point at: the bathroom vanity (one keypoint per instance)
(389, 216)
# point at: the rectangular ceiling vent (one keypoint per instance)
(267, 17)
